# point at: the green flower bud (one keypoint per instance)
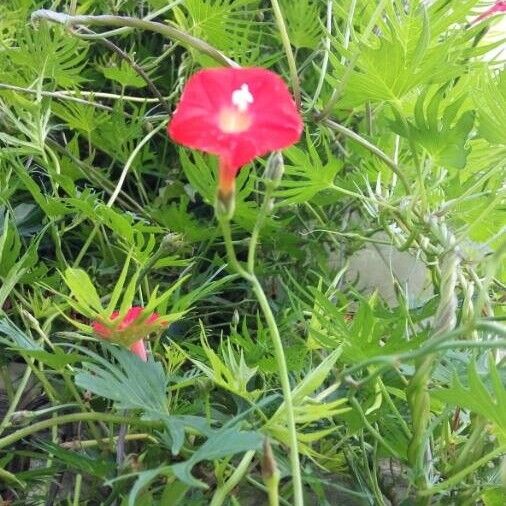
(274, 169)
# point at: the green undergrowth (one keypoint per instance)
(381, 259)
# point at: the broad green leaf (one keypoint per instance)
(56, 358)
(495, 496)
(224, 443)
(144, 478)
(130, 383)
(174, 493)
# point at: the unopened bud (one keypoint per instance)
(270, 474)
(171, 242)
(21, 417)
(270, 469)
(235, 319)
(275, 168)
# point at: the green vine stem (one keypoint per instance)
(249, 275)
(280, 22)
(16, 399)
(456, 478)
(372, 148)
(224, 490)
(417, 391)
(168, 31)
(74, 417)
(472, 446)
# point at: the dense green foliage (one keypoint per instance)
(382, 259)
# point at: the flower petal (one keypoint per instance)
(269, 119)
(139, 349)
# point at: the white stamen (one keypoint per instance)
(242, 98)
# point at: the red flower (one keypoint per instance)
(498, 7)
(237, 114)
(130, 330)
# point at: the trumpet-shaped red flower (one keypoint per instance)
(498, 7)
(237, 114)
(130, 330)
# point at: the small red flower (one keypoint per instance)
(130, 330)
(237, 114)
(498, 7)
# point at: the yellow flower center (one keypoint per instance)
(232, 121)
(235, 119)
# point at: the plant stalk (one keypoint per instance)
(71, 418)
(280, 22)
(224, 490)
(279, 353)
(168, 31)
(417, 391)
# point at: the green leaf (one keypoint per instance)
(83, 290)
(94, 466)
(174, 493)
(404, 55)
(302, 19)
(9, 477)
(477, 398)
(130, 383)
(442, 134)
(51, 206)
(227, 369)
(224, 443)
(17, 336)
(144, 478)
(19, 269)
(124, 74)
(489, 95)
(118, 287)
(313, 381)
(495, 496)
(49, 52)
(229, 25)
(200, 174)
(56, 359)
(79, 116)
(306, 174)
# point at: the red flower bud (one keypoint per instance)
(130, 330)
(498, 7)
